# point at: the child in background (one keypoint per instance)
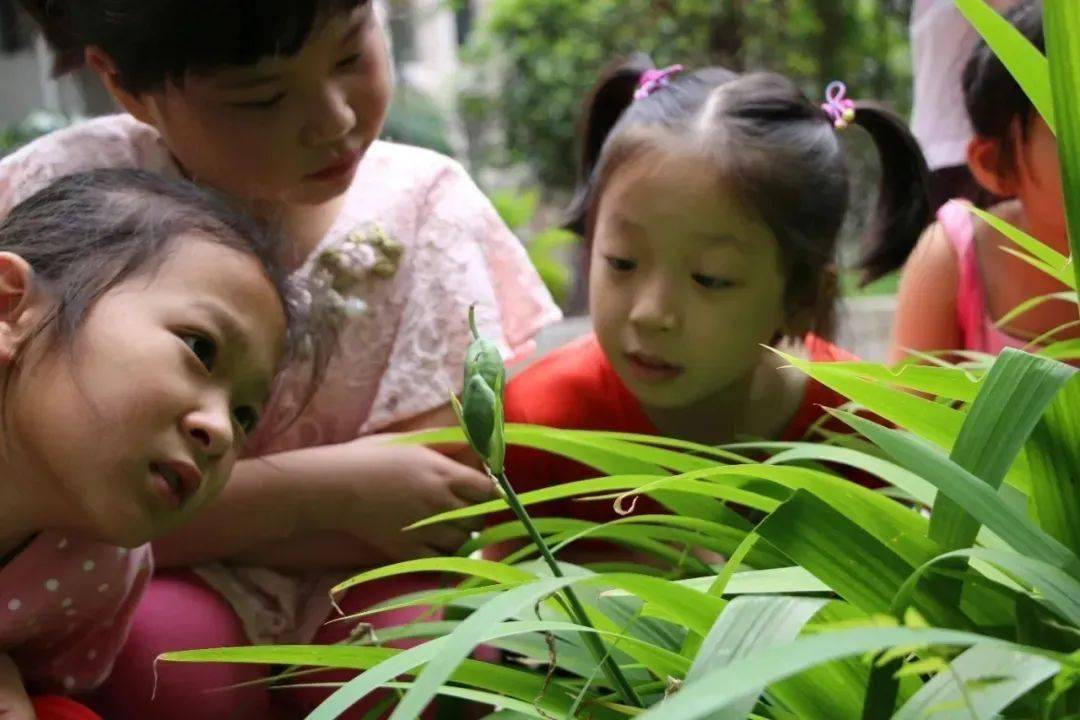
(959, 280)
(941, 42)
(141, 325)
(712, 203)
(279, 103)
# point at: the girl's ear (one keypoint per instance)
(102, 63)
(17, 306)
(991, 165)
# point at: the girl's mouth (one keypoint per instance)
(651, 369)
(175, 482)
(340, 168)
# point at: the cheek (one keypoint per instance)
(736, 325)
(373, 88)
(203, 131)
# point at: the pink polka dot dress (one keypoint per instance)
(65, 608)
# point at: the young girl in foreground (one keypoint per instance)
(959, 280)
(711, 203)
(279, 104)
(141, 324)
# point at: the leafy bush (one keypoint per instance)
(35, 125)
(415, 119)
(549, 53)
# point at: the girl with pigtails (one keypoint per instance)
(710, 203)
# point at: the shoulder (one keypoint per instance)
(934, 263)
(99, 142)
(110, 141)
(408, 188)
(565, 388)
(407, 166)
(818, 349)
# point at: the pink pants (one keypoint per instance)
(181, 612)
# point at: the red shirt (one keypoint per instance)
(575, 387)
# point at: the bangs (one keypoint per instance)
(157, 41)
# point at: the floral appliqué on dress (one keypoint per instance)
(333, 287)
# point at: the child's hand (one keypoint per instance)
(14, 702)
(378, 489)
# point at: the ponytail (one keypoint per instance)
(52, 16)
(903, 206)
(606, 103)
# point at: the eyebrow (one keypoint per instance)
(355, 26)
(722, 239)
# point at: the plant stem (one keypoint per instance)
(596, 647)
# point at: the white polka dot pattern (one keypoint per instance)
(65, 605)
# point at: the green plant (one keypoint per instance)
(414, 119)
(954, 592)
(550, 53)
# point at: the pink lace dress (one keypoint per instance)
(420, 244)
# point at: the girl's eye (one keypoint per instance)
(346, 63)
(710, 282)
(260, 104)
(203, 348)
(621, 265)
(246, 418)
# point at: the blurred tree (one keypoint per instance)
(545, 54)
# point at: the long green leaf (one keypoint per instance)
(980, 683)
(749, 624)
(1056, 589)
(452, 650)
(843, 555)
(892, 473)
(1015, 393)
(1062, 25)
(973, 494)
(1023, 59)
(777, 581)
(717, 690)
(1054, 457)
(937, 423)
(952, 382)
(485, 569)
(1052, 262)
(516, 683)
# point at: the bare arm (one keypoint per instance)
(926, 305)
(14, 702)
(305, 509)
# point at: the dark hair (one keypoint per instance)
(783, 156)
(89, 231)
(152, 41)
(993, 98)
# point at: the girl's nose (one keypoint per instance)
(330, 120)
(654, 308)
(209, 429)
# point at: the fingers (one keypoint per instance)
(445, 539)
(469, 524)
(453, 450)
(472, 486)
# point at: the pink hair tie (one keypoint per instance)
(653, 80)
(839, 108)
